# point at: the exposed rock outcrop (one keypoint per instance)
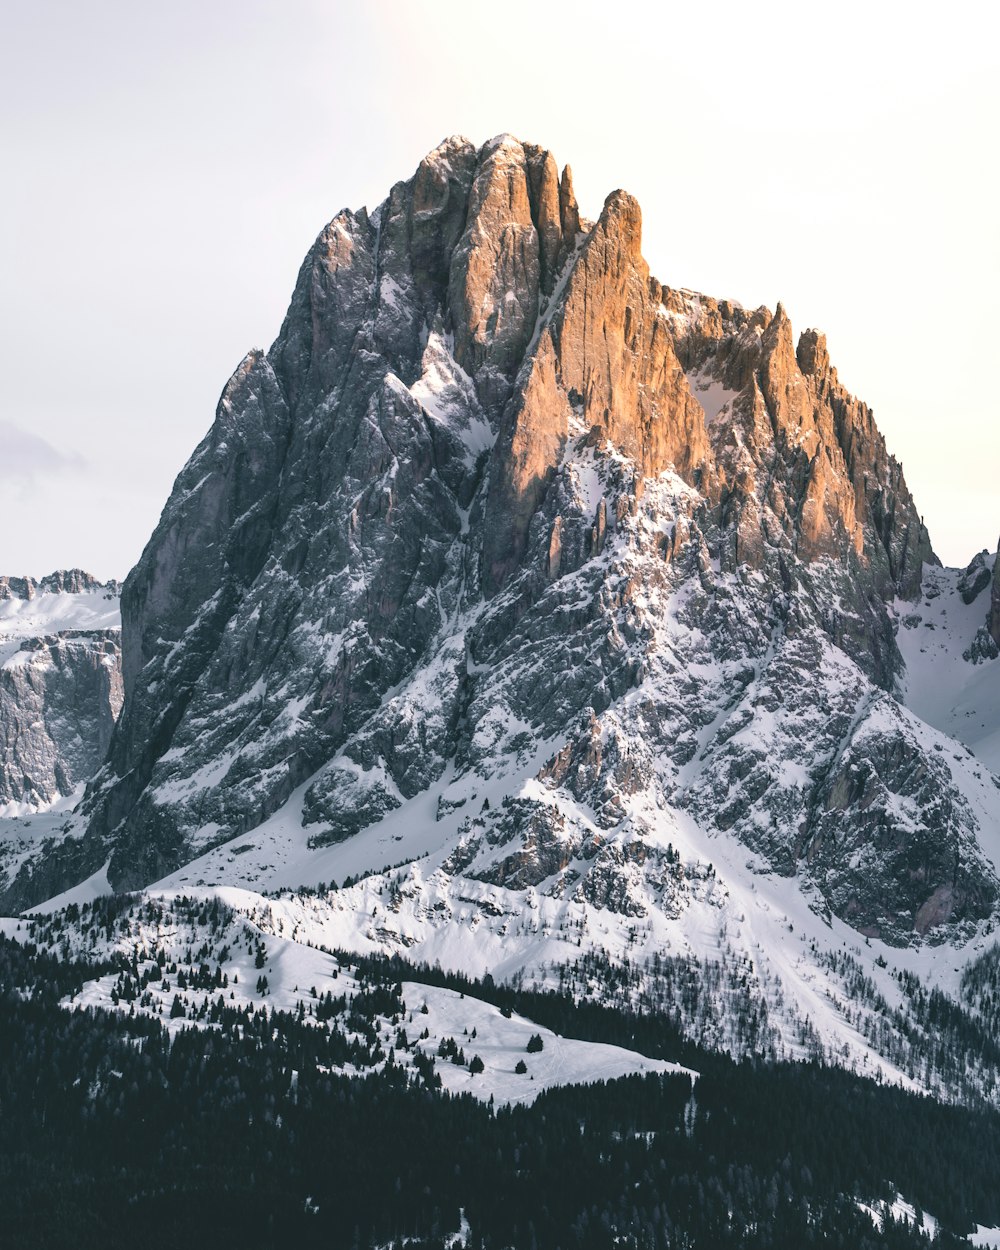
(994, 617)
(496, 497)
(60, 684)
(976, 578)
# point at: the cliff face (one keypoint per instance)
(604, 358)
(495, 494)
(993, 623)
(60, 684)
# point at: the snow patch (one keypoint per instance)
(713, 396)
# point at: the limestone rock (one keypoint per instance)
(977, 577)
(994, 618)
(497, 510)
(60, 684)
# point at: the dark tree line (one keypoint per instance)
(246, 1133)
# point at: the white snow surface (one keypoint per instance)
(294, 970)
(447, 394)
(28, 813)
(943, 688)
(501, 1042)
(721, 908)
(732, 909)
(713, 396)
(51, 612)
(901, 1211)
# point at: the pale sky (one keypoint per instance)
(166, 167)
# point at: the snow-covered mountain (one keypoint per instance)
(60, 686)
(951, 679)
(545, 620)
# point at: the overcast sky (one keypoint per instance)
(165, 168)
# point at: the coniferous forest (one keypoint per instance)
(246, 1132)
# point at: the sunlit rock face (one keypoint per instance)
(498, 510)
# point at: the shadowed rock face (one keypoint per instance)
(59, 699)
(60, 684)
(983, 575)
(492, 467)
(994, 619)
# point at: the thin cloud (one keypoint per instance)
(25, 456)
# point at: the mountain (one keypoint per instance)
(570, 622)
(60, 685)
(947, 641)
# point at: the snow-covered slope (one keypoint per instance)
(738, 956)
(187, 951)
(62, 603)
(572, 613)
(948, 682)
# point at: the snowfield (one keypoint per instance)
(53, 612)
(402, 886)
(170, 937)
(940, 685)
(747, 959)
(502, 1042)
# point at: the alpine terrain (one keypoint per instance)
(60, 685)
(528, 639)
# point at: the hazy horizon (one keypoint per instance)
(168, 170)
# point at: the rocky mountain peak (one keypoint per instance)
(495, 497)
(62, 581)
(811, 354)
(521, 223)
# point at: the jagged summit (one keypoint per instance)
(62, 581)
(498, 498)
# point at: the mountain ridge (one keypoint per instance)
(567, 593)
